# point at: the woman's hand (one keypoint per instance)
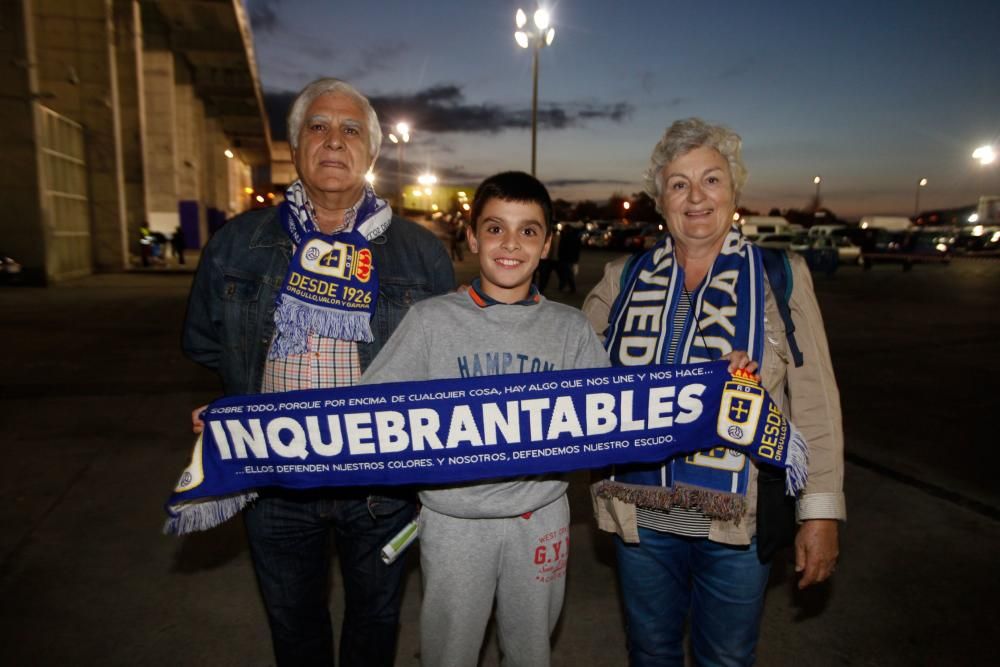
(739, 359)
(197, 425)
(816, 551)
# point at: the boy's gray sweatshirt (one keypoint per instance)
(451, 336)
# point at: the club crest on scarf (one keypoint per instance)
(332, 283)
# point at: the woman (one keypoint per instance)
(699, 295)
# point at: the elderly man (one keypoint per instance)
(255, 320)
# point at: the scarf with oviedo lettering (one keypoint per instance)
(655, 320)
(435, 432)
(332, 284)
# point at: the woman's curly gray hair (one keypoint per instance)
(320, 87)
(683, 137)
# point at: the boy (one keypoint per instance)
(508, 538)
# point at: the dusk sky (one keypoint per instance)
(872, 96)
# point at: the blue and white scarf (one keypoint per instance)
(332, 284)
(464, 429)
(655, 320)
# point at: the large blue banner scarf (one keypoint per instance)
(655, 320)
(459, 430)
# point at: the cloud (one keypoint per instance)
(442, 108)
(567, 182)
(263, 15)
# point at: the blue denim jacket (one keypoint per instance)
(230, 316)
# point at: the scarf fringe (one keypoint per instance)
(797, 466)
(294, 321)
(206, 513)
(714, 504)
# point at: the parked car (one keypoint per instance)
(620, 237)
(593, 234)
(10, 270)
(645, 238)
(819, 252)
(977, 240)
(778, 240)
(847, 252)
(907, 248)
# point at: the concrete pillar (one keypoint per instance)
(161, 141)
(189, 120)
(214, 178)
(21, 231)
(128, 48)
(77, 72)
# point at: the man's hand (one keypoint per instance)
(197, 425)
(816, 551)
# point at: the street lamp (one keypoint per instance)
(985, 154)
(817, 180)
(538, 36)
(403, 129)
(916, 204)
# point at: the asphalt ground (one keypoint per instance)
(94, 403)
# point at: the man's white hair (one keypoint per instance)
(320, 87)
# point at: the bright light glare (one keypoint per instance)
(521, 39)
(941, 247)
(626, 205)
(978, 230)
(465, 207)
(393, 139)
(864, 225)
(817, 180)
(549, 36)
(228, 153)
(403, 128)
(995, 237)
(248, 190)
(923, 182)
(370, 177)
(974, 217)
(520, 18)
(541, 19)
(985, 154)
(427, 191)
(427, 179)
(260, 199)
(736, 216)
(434, 207)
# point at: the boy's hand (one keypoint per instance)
(197, 425)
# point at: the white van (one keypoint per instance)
(886, 222)
(755, 225)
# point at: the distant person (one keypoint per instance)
(478, 540)
(548, 263)
(178, 245)
(568, 258)
(695, 534)
(145, 245)
(262, 338)
(457, 236)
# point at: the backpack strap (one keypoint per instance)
(779, 275)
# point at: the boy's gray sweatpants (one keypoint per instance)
(464, 562)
